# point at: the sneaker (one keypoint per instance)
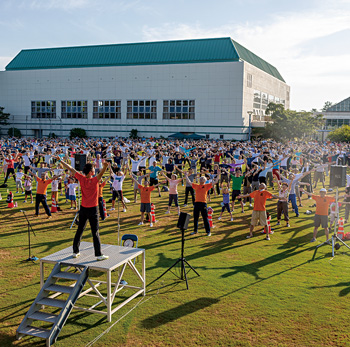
(31, 202)
(232, 219)
(25, 201)
(76, 255)
(49, 217)
(167, 212)
(151, 224)
(194, 233)
(267, 238)
(141, 223)
(288, 225)
(297, 215)
(112, 209)
(249, 236)
(124, 210)
(219, 218)
(72, 208)
(250, 205)
(271, 232)
(102, 257)
(278, 223)
(160, 196)
(242, 211)
(209, 233)
(313, 239)
(185, 205)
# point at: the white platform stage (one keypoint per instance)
(119, 258)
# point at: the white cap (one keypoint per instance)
(323, 190)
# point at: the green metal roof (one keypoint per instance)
(146, 53)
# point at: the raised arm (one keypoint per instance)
(104, 168)
(67, 166)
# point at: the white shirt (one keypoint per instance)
(72, 187)
(19, 176)
(118, 182)
(54, 186)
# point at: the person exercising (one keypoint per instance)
(89, 205)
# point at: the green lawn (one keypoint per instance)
(250, 292)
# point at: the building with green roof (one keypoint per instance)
(204, 86)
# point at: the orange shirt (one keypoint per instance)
(260, 197)
(42, 186)
(201, 191)
(89, 190)
(322, 204)
(100, 189)
(145, 193)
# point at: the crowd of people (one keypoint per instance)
(240, 173)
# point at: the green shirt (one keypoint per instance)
(237, 182)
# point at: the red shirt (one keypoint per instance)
(42, 186)
(201, 191)
(10, 163)
(89, 190)
(145, 193)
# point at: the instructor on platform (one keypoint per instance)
(89, 205)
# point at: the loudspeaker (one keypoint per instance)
(337, 176)
(80, 161)
(183, 220)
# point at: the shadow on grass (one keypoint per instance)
(345, 291)
(177, 312)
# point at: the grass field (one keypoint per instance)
(250, 292)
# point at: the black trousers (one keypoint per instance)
(85, 214)
(187, 191)
(200, 207)
(41, 198)
(9, 172)
(100, 207)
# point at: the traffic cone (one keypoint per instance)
(153, 213)
(210, 216)
(9, 200)
(104, 208)
(53, 206)
(340, 232)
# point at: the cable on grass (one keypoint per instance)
(141, 301)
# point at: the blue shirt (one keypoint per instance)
(154, 171)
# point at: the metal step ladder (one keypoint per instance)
(47, 297)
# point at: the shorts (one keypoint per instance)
(236, 193)
(28, 192)
(259, 216)
(153, 181)
(145, 207)
(117, 194)
(19, 184)
(173, 197)
(72, 197)
(319, 176)
(225, 207)
(321, 220)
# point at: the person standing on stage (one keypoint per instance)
(89, 206)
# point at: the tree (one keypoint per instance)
(340, 135)
(288, 124)
(4, 117)
(133, 133)
(326, 106)
(77, 132)
(14, 132)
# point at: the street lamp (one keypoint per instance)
(250, 124)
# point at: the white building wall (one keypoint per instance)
(219, 90)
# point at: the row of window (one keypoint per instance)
(111, 109)
(337, 122)
(261, 100)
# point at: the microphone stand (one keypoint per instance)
(31, 258)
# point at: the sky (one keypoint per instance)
(307, 41)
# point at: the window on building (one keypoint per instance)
(207, 136)
(221, 137)
(249, 80)
(43, 109)
(264, 100)
(257, 99)
(141, 109)
(178, 109)
(271, 98)
(107, 109)
(74, 109)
